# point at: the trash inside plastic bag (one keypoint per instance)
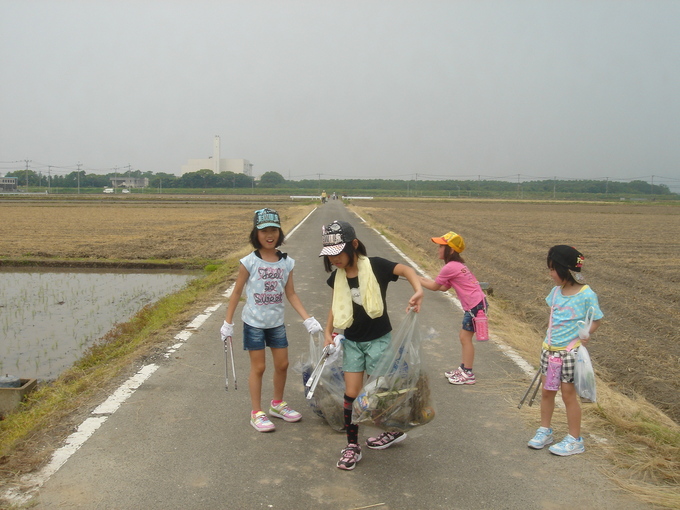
(397, 396)
(584, 375)
(328, 398)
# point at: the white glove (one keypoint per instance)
(312, 325)
(226, 330)
(336, 344)
(583, 334)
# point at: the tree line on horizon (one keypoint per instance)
(207, 179)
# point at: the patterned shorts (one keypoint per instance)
(568, 363)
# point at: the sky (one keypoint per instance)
(388, 89)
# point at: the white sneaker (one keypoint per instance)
(543, 437)
(570, 445)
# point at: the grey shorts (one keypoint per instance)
(568, 363)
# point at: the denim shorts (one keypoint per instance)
(467, 318)
(363, 356)
(256, 339)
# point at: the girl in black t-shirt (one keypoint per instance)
(359, 286)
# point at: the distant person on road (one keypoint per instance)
(323, 197)
(266, 274)
(456, 275)
(358, 308)
(569, 303)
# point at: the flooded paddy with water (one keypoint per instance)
(48, 319)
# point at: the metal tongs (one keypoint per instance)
(229, 353)
(318, 369)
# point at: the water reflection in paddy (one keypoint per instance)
(48, 319)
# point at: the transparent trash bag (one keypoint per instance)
(328, 398)
(397, 396)
(584, 375)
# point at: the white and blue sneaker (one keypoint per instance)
(568, 446)
(543, 437)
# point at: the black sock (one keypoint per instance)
(352, 429)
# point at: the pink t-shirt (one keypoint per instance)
(456, 275)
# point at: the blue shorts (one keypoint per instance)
(364, 356)
(467, 318)
(256, 339)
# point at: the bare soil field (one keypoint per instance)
(130, 231)
(632, 261)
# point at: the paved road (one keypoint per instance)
(181, 441)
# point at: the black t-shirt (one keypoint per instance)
(365, 329)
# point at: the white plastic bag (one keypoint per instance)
(584, 375)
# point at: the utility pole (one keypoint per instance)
(79, 165)
(49, 178)
(554, 186)
(27, 162)
(606, 185)
(651, 190)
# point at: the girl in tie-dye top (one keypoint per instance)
(570, 302)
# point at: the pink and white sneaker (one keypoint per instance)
(261, 422)
(462, 377)
(285, 412)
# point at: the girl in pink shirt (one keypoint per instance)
(456, 275)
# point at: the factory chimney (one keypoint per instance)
(216, 154)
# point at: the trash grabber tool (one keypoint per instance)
(318, 367)
(226, 366)
(316, 377)
(233, 367)
(229, 352)
(318, 370)
(533, 397)
(521, 402)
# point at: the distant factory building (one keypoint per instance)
(9, 184)
(129, 182)
(217, 164)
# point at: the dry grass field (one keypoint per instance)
(132, 231)
(632, 260)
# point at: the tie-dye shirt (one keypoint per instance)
(265, 291)
(567, 310)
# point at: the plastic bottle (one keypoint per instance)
(552, 376)
(481, 324)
